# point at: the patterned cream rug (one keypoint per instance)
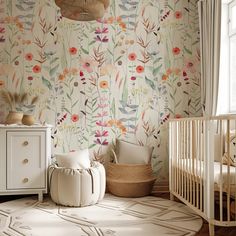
(113, 216)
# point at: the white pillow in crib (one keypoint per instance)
(129, 153)
(75, 160)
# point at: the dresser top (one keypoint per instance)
(25, 126)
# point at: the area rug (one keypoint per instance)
(113, 216)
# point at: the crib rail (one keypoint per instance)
(201, 170)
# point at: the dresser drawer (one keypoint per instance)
(26, 165)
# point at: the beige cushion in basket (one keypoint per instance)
(129, 153)
(77, 187)
(75, 160)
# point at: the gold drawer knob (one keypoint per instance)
(25, 161)
(25, 143)
(25, 180)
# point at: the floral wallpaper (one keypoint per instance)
(122, 76)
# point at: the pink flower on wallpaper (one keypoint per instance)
(102, 105)
(74, 117)
(101, 123)
(101, 31)
(36, 69)
(99, 141)
(72, 50)
(104, 113)
(2, 30)
(140, 69)
(132, 56)
(176, 51)
(190, 65)
(101, 134)
(103, 39)
(178, 14)
(88, 64)
(29, 56)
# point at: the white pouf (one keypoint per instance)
(77, 187)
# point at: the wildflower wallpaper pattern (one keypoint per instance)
(120, 77)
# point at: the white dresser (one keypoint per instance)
(25, 152)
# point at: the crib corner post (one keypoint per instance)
(211, 229)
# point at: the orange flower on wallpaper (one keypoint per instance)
(132, 56)
(72, 50)
(2, 84)
(103, 84)
(176, 51)
(118, 124)
(74, 117)
(61, 77)
(29, 56)
(74, 71)
(14, 20)
(36, 69)
(140, 69)
(178, 14)
(164, 77)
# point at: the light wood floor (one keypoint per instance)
(219, 231)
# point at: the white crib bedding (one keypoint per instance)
(195, 168)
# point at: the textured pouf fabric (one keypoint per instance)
(77, 187)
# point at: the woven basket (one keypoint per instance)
(128, 180)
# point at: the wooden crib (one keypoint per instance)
(201, 167)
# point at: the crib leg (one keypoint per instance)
(172, 197)
(211, 229)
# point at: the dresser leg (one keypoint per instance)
(40, 196)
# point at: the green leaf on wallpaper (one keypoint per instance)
(117, 59)
(123, 110)
(92, 145)
(53, 70)
(14, 58)
(54, 60)
(157, 70)
(170, 7)
(113, 108)
(92, 42)
(47, 83)
(84, 51)
(68, 96)
(187, 50)
(125, 94)
(67, 110)
(7, 53)
(150, 83)
(157, 60)
(170, 110)
(75, 103)
(178, 103)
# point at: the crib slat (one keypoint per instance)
(228, 169)
(221, 163)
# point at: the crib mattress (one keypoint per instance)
(195, 168)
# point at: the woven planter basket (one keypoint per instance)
(128, 180)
